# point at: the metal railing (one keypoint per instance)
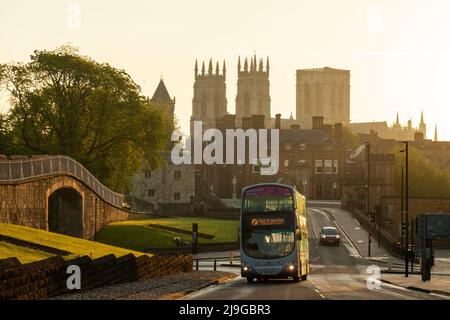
(39, 167)
(211, 262)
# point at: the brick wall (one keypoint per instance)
(47, 278)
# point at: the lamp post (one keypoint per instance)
(234, 182)
(368, 192)
(406, 206)
(401, 212)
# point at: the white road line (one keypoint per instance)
(357, 222)
(322, 296)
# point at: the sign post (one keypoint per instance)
(194, 237)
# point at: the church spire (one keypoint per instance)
(210, 68)
(203, 68)
(397, 121)
(217, 68)
(239, 64)
(261, 65)
(196, 68)
(435, 133)
(267, 65)
(224, 70)
(421, 118)
(245, 65)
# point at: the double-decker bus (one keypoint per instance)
(273, 232)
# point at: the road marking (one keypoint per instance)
(317, 291)
(357, 222)
(361, 241)
(322, 296)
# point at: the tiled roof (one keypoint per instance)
(161, 94)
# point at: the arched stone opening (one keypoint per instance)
(65, 212)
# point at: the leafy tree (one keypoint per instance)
(426, 180)
(65, 103)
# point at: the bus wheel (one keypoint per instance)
(305, 277)
(295, 278)
(250, 279)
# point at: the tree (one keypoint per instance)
(65, 103)
(426, 180)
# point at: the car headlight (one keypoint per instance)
(337, 236)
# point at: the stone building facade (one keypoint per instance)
(170, 188)
(311, 159)
(323, 92)
(397, 131)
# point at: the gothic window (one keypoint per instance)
(307, 100)
(318, 104)
(246, 103)
(217, 105)
(341, 100)
(260, 103)
(203, 108)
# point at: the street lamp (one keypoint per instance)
(406, 205)
(367, 144)
(234, 182)
(401, 211)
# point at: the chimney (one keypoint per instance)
(338, 134)
(258, 121)
(328, 128)
(278, 121)
(418, 136)
(246, 121)
(317, 122)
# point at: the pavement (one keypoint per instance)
(169, 287)
(437, 284)
(336, 272)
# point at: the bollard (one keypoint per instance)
(231, 257)
(196, 264)
(215, 265)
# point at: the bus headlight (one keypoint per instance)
(245, 268)
(291, 267)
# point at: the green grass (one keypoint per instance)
(137, 235)
(76, 246)
(24, 254)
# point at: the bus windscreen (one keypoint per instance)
(268, 238)
(268, 199)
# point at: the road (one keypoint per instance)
(336, 273)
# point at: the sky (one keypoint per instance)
(398, 52)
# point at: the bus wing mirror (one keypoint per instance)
(299, 234)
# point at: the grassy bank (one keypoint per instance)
(138, 235)
(76, 246)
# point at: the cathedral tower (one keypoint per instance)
(253, 90)
(210, 101)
